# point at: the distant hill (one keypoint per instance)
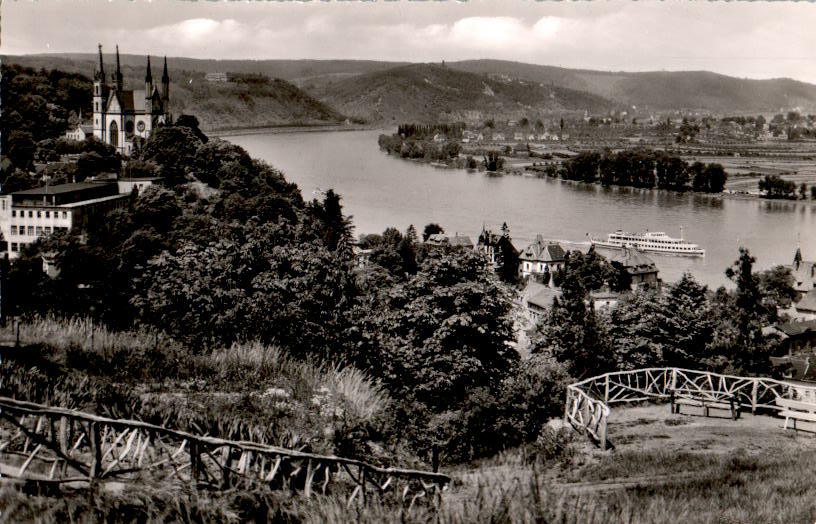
(246, 102)
(700, 90)
(433, 93)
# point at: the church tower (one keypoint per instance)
(148, 87)
(165, 94)
(100, 95)
(117, 76)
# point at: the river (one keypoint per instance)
(381, 191)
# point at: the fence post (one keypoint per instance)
(603, 431)
(96, 451)
(754, 396)
(674, 379)
(606, 389)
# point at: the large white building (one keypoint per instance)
(122, 116)
(28, 215)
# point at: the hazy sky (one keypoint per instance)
(745, 39)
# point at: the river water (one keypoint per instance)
(381, 191)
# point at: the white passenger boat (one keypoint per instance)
(654, 241)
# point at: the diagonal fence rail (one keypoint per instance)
(588, 401)
(55, 445)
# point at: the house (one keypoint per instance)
(518, 135)
(798, 340)
(80, 132)
(496, 247)
(216, 77)
(806, 307)
(540, 258)
(439, 138)
(537, 299)
(604, 299)
(457, 240)
(641, 269)
(804, 273)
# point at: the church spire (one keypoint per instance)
(148, 74)
(165, 82)
(117, 77)
(100, 70)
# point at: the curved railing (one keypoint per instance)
(587, 405)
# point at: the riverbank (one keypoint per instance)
(275, 129)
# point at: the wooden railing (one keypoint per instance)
(56, 445)
(587, 404)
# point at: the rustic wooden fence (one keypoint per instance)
(55, 445)
(587, 404)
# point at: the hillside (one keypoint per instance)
(249, 101)
(432, 93)
(662, 90)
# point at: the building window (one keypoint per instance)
(13, 230)
(65, 214)
(31, 214)
(39, 231)
(39, 214)
(47, 230)
(48, 214)
(31, 230)
(14, 212)
(14, 248)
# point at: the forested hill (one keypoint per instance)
(433, 93)
(661, 90)
(249, 99)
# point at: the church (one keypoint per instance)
(124, 118)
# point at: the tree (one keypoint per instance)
(751, 314)
(685, 324)
(191, 122)
(19, 147)
(431, 229)
(173, 149)
(777, 286)
(571, 333)
(633, 330)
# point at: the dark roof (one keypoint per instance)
(635, 262)
(57, 189)
(438, 239)
(793, 329)
(541, 296)
(808, 301)
(460, 240)
(543, 251)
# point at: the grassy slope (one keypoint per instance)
(663, 90)
(216, 105)
(432, 93)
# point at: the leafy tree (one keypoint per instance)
(173, 149)
(633, 331)
(571, 333)
(444, 332)
(191, 122)
(685, 323)
(751, 314)
(777, 287)
(19, 147)
(431, 229)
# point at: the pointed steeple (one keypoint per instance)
(99, 74)
(165, 82)
(149, 73)
(117, 76)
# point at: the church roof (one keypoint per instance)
(133, 101)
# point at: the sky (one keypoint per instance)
(743, 39)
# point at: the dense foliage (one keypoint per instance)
(646, 169)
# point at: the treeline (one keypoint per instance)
(417, 149)
(775, 187)
(643, 169)
(687, 326)
(38, 107)
(423, 131)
